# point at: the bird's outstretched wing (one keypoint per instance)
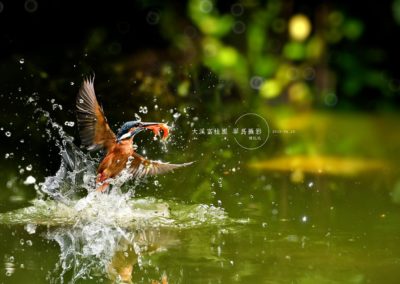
(141, 167)
(93, 127)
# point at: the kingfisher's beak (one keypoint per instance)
(136, 131)
(156, 127)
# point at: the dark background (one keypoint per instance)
(62, 41)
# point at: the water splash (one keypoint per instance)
(101, 234)
(110, 234)
(77, 172)
(117, 210)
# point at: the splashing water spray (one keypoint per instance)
(101, 234)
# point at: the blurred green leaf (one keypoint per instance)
(353, 29)
(205, 16)
(294, 50)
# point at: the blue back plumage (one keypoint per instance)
(126, 126)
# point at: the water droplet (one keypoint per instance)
(22, 141)
(21, 60)
(29, 243)
(30, 100)
(29, 180)
(304, 219)
(143, 109)
(9, 272)
(176, 115)
(22, 242)
(310, 184)
(220, 182)
(69, 123)
(155, 106)
(29, 167)
(72, 83)
(8, 133)
(30, 228)
(55, 106)
(9, 155)
(219, 250)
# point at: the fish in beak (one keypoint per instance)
(130, 129)
(156, 127)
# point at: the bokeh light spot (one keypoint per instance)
(299, 27)
(308, 73)
(31, 6)
(239, 27)
(152, 18)
(206, 6)
(299, 93)
(330, 99)
(227, 56)
(270, 88)
(255, 82)
(237, 9)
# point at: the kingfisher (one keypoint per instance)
(95, 133)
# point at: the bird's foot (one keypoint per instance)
(103, 187)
